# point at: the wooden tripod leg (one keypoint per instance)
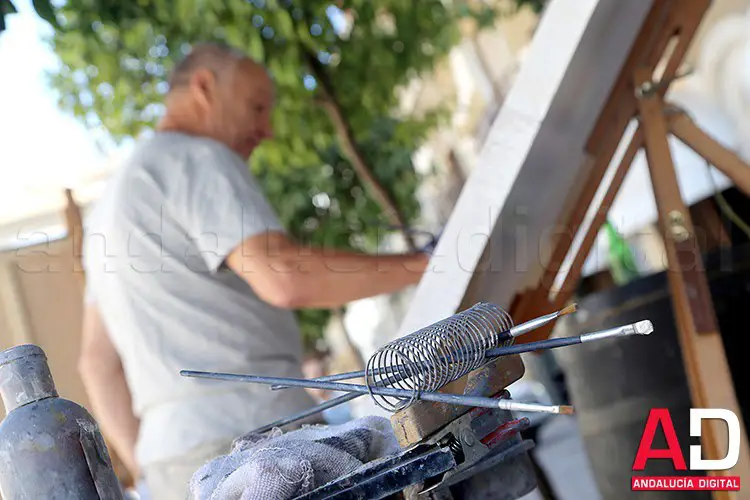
(708, 374)
(74, 223)
(529, 301)
(537, 302)
(696, 139)
(574, 272)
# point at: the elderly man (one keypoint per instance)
(188, 268)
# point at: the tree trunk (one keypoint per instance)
(351, 149)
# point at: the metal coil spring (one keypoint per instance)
(436, 355)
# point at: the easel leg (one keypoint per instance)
(724, 160)
(708, 374)
(574, 273)
(537, 302)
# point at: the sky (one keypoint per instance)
(42, 149)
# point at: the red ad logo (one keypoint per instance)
(660, 418)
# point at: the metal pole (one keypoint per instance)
(439, 397)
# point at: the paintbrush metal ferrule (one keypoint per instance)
(534, 407)
(532, 324)
(640, 328)
(644, 327)
(539, 322)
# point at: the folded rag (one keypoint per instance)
(277, 466)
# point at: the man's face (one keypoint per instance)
(242, 110)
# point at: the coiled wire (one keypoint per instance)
(436, 355)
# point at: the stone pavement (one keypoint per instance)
(560, 453)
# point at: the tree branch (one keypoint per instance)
(352, 150)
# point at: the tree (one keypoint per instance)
(340, 166)
(536, 6)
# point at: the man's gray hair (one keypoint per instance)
(215, 57)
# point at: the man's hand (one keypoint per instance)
(104, 380)
(288, 275)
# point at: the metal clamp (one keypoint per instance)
(645, 90)
(648, 89)
(494, 458)
(677, 226)
(385, 477)
(478, 440)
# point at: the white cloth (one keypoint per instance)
(280, 466)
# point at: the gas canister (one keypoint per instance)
(50, 447)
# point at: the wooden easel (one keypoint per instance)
(669, 25)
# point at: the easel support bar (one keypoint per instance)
(574, 272)
(709, 378)
(723, 159)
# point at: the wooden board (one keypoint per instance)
(709, 378)
(423, 418)
(545, 160)
(498, 237)
(650, 50)
(727, 161)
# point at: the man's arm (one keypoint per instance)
(231, 222)
(104, 380)
(288, 275)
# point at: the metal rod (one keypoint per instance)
(640, 328)
(515, 331)
(620, 331)
(310, 411)
(439, 397)
(348, 375)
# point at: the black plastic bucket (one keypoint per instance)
(615, 383)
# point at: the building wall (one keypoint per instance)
(40, 303)
(719, 9)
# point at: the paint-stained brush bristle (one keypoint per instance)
(566, 410)
(568, 309)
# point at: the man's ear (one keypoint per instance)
(203, 87)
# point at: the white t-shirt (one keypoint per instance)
(154, 253)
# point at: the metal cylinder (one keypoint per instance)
(50, 447)
(24, 377)
(614, 385)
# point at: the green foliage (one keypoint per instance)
(311, 323)
(621, 259)
(6, 7)
(115, 57)
(537, 6)
(44, 9)
(325, 204)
